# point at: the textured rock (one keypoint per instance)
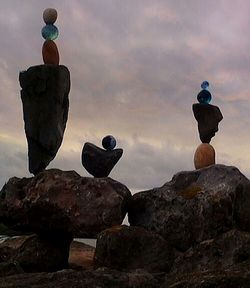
(194, 206)
(44, 94)
(50, 15)
(31, 254)
(102, 278)
(99, 162)
(127, 248)
(208, 117)
(204, 156)
(230, 248)
(50, 53)
(63, 203)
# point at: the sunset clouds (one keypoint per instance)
(136, 68)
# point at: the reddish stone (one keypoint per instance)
(204, 156)
(50, 53)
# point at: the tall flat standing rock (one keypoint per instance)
(44, 94)
(59, 202)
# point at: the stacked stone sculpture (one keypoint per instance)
(44, 95)
(208, 117)
(50, 33)
(99, 162)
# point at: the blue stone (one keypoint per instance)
(205, 85)
(50, 32)
(204, 97)
(108, 142)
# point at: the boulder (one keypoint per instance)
(44, 95)
(81, 255)
(128, 248)
(228, 249)
(62, 203)
(31, 254)
(99, 162)
(103, 278)
(194, 206)
(208, 117)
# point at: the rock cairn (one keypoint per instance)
(99, 162)
(45, 90)
(50, 32)
(208, 117)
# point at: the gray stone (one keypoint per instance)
(194, 206)
(99, 162)
(127, 248)
(63, 203)
(44, 94)
(208, 117)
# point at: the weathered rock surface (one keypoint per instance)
(50, 53)
(128, 248)
(63, 203)
(99, 162)
(208, 117)
(228, 249)
(81, 255)
(194, 206)
(44, 94)
(102, 278)
(31, 254)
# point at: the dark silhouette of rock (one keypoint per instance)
(128, 248)
(103, 278)
(208, 117)
(44, 94)
(227, 249)
(99, 162)
(194, 206)
(81, 255)
(63, 203)
(31, 254)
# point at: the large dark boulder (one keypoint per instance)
(208, 117)
(128, 248)
(31, 254)
(63, 203)
(194, 206)
(44, 94)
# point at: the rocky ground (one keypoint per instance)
(192, 232)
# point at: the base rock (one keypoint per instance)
(63, 203)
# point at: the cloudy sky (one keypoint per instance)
(136, 68)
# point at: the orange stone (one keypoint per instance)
(204, 156)
(50, 53)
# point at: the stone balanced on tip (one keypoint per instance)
(208, 117)
(99, 162)
(44, 94)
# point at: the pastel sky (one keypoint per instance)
(136, 68)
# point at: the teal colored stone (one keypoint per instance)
(50, 32)
(205, 85)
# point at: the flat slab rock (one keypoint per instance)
(63, 202)
(194, 206)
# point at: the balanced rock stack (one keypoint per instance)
(45, 91)
(208, 117)
(50, 33)
(99, 162)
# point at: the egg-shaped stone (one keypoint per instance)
(50, 32)
(50, 15)
(108, 142)
(204, 97)
(204, 156)
(50, 53)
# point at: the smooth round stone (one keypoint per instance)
(50, 32)
(50, 15)
(204, 97)
(108, 142)
(205, 85)
(50, 53)
(204, 156)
